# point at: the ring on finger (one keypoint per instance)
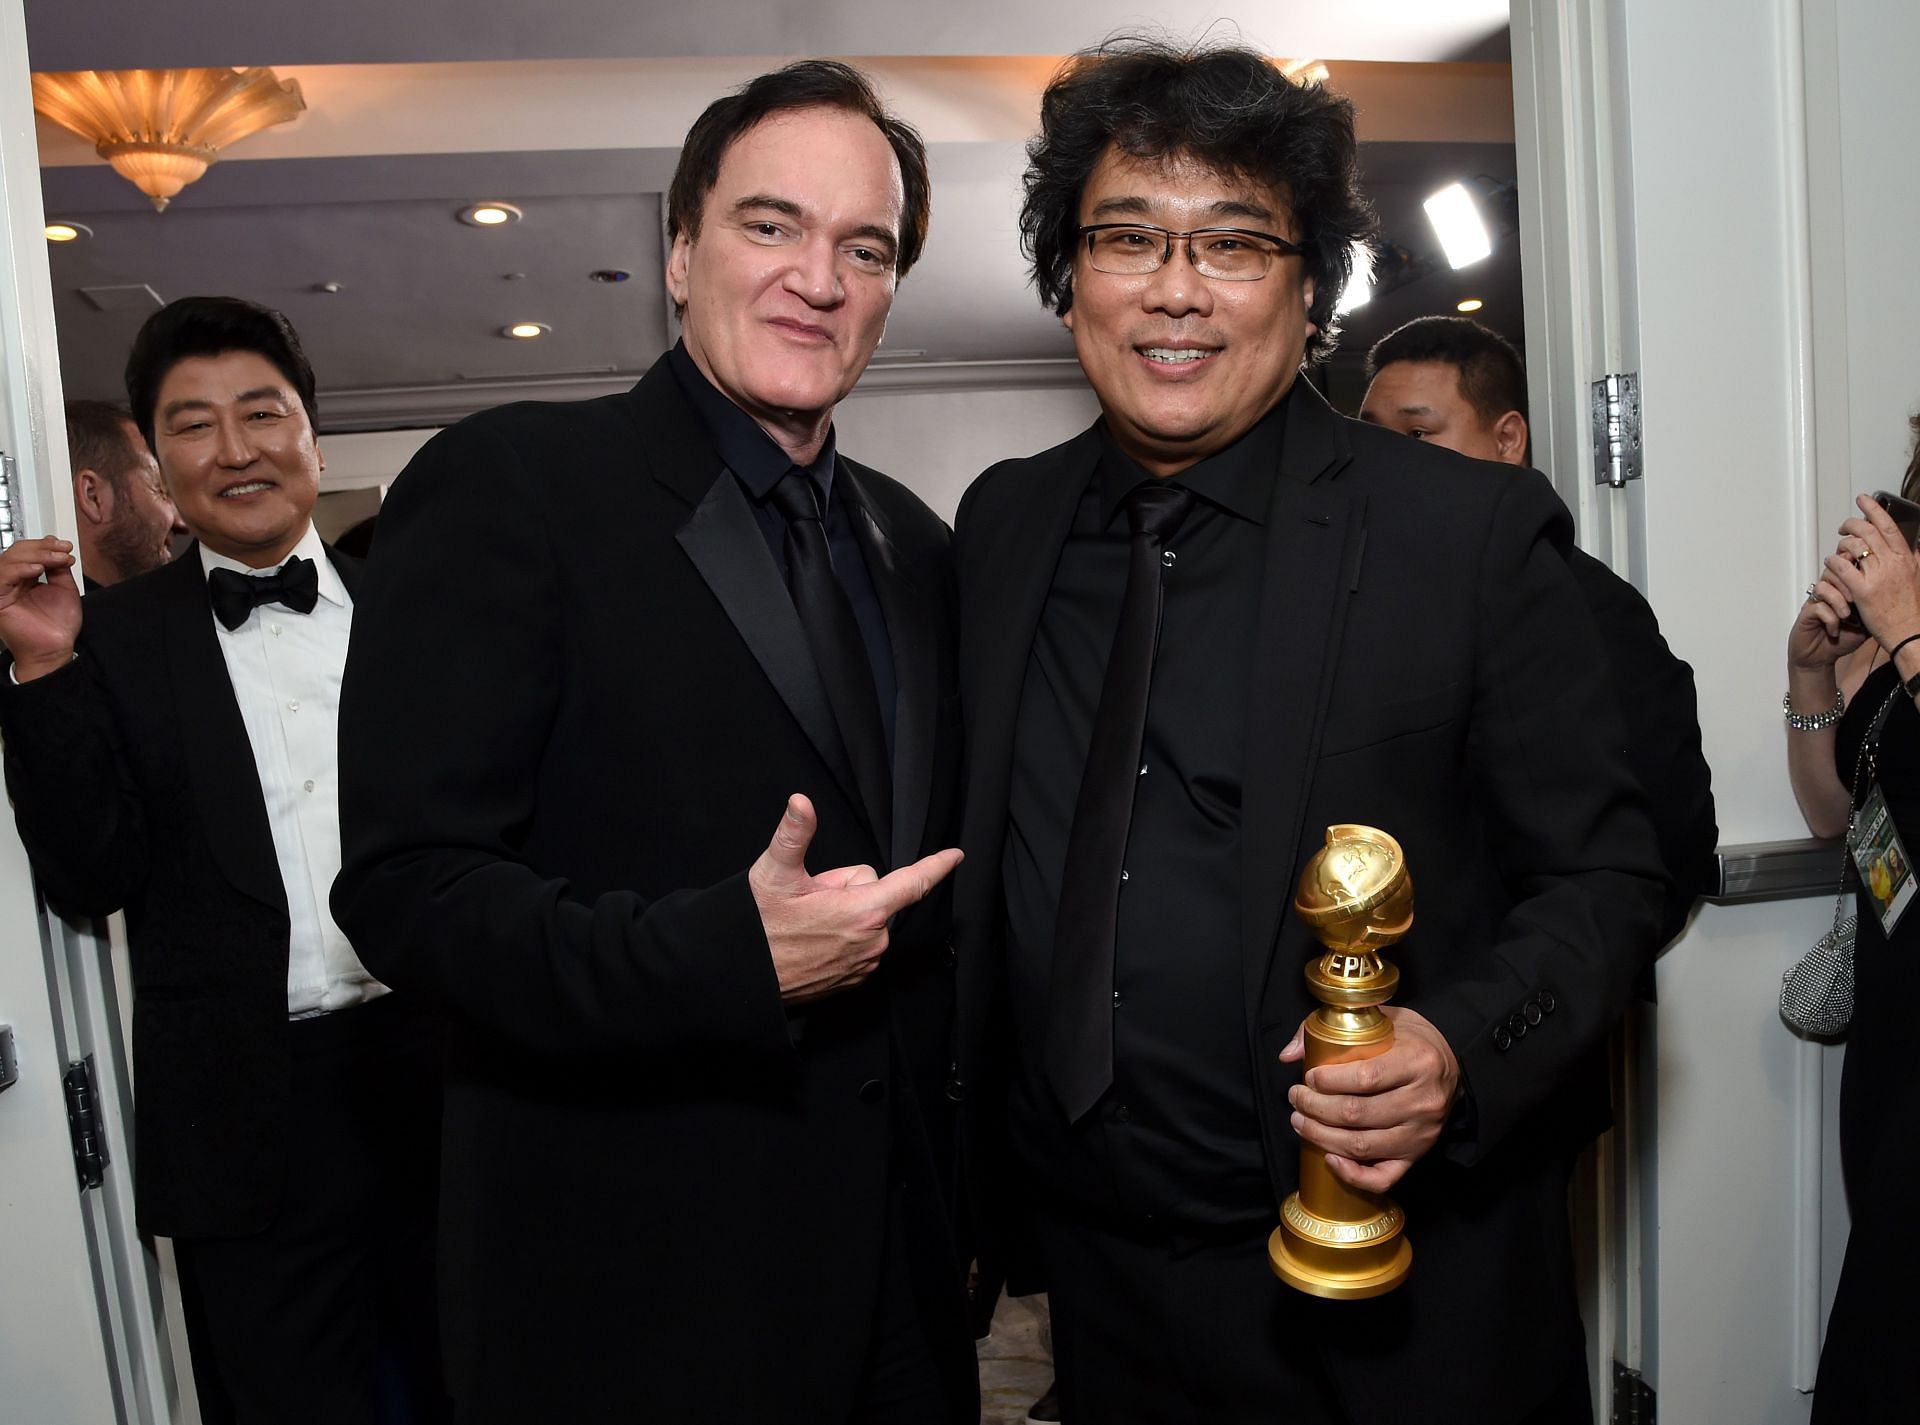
(1811, 588)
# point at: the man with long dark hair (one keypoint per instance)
(1193, 638)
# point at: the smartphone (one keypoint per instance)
(1905, 514)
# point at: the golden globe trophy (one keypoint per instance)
(1356, 896)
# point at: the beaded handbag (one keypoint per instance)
(1816, 995)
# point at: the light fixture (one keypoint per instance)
(67, 232)
(160, 128)
(526, 331)
(1457, 223)
(489, 215)
(1359, 289)
(1303, 71)
(1471, 304)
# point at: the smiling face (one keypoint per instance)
(239, 455)
(1185, 365)
(788, 285)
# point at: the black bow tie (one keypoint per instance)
(295, 584)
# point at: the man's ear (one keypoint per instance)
(677, 269)
(1510, 438)
(1307, 285)
(93, 497)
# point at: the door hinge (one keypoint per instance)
(1616, 429)
(1632, 1397)
(9, 500)
(83, 1122)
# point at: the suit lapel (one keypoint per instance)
(1008, 589)
(226, 782)
(1316, 535)
(724, 542)
(913, 614)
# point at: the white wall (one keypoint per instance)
(936, 442)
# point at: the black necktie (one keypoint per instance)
(235, 595)
(840, 654)
(1079, 1052)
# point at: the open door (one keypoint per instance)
(80, 1319)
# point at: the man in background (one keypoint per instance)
(170, 750)
(1450, 381)
(127, 522)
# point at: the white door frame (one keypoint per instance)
(81, 1333)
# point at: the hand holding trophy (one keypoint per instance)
(1333, 1240)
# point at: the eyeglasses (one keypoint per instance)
(1225, 254)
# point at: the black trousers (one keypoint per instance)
(328, 1316)
(1174, 1330)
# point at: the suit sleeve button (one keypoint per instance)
(872, 1091)
(1516, 1026)
(1532, 1011)
(1502, 1040)
(956, 1090)
(1547, 1001)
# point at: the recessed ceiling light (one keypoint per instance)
(526, 331)
(1472, 304)
(67, 232)
(489, 215)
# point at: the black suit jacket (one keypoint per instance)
(1660, 716)
(573, 722)
(1424, 664)
(134, 786)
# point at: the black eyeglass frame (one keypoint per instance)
(1284, 246)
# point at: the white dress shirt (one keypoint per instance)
(285, 668)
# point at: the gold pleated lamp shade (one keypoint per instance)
(160, 128)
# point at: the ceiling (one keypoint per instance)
(574, 113)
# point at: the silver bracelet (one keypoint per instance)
(1813, 722)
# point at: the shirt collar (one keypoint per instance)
(1237, 479)
(309, 547)
(754, 457)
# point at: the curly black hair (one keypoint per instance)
(1224, 105)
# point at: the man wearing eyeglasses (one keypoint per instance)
(1194, 637)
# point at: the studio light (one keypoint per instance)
(1359, 286)
(1457, 223)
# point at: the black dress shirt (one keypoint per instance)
(1176, 1141)
(759, 464)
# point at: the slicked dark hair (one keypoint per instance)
(212, 326)
(1492, 377)
(805, 84)
(97, 440)
(1222, 105)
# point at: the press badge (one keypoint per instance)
(1885, 869)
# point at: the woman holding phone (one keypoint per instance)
(1860, 753)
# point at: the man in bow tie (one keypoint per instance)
(171, 750)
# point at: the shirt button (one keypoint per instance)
(274, 629)
(1123, 1113)
(1167, 558)
(308, 784)
(293, 705)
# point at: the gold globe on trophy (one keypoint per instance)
(1356, 896)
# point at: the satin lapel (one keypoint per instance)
(1317, 534)
(226, 781)
(912, 612)
(726, 546)
(348, 568)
